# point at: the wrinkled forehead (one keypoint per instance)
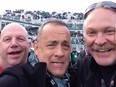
(55, 29)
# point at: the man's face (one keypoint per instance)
(14, 46)
(100, 35)
(54, 48)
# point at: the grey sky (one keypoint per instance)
(47, 5)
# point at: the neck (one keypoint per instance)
(3, 64)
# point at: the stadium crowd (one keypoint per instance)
(36, 16)
(74, 21)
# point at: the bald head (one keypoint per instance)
(14, 27)
(14, 45)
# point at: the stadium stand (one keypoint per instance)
(33, 19)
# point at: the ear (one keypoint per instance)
(35, 45)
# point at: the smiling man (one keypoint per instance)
(14, 45)
(99, 70)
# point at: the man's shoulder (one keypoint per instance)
(13, 77)
(24, 76)
(26, 69)
(9, 81)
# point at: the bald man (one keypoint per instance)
(14, 45)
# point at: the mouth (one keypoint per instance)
(14, 52)
(57, 64)
(103, 53)
(103, 50)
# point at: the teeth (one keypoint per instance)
(56, 62)
(102, 50)
(14, 52)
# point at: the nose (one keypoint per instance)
(59, 52)
(14, 43)
(100, 40)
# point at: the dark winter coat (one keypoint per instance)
(94, 75)
(27, 76)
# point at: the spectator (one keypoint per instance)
(100, 36)
(83, 54)
(81, 49)
(53, 53)
(14, 46)
(74, 57)
(32, 58)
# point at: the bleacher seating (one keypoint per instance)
(74, 21)
(34, 16)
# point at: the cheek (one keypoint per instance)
(89, 41)
(25, 44)
(67, 56)
(4, 49)
(43, 55)
(112, 39)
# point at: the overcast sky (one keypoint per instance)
(47, 5)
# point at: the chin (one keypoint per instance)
(58, 74)
(105, 63)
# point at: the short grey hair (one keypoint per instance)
(54, 22)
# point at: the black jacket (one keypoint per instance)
(93, 75)
(74, 79)
(27, 76)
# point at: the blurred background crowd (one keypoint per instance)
(33, 19)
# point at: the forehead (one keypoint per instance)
(100, 16)
(55, 31)
(13, 30)
(101, 12)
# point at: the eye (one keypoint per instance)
(110, 31)
(91, 33)
(66, 46)
(21, 39)
(51, 46)
(6, 40)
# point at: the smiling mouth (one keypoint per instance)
(108, 50)
(14, 52)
